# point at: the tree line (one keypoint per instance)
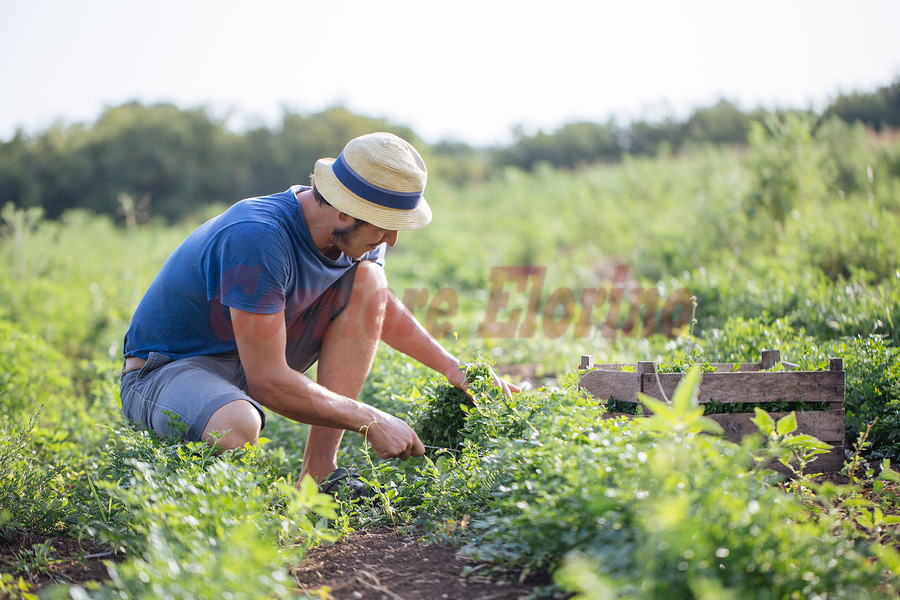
(138, 160)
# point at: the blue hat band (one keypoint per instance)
(373, 193)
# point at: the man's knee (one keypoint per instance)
(370, 277)
(366, 310)
(239, 422)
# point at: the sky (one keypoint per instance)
(466, 70)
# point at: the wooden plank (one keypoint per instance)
(830, 462)
(826, 425)
(604, 385)
(769, 358)
(763, 386)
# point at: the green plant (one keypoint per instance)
(31, 373)
(440, 419)
(782, 444)
(200, 524)
(15, 589)
(873, 393)
(29, 498)
(34, 560)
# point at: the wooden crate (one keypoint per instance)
(751, 384)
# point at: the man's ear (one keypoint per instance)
(343, 217)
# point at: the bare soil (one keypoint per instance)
(70, 562)
(388, 564)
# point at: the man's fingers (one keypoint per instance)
(400, 440)
(418, 447)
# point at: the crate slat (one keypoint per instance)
(827, 425)
(761, 386)
(604, 385)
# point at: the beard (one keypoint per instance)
(343, 238)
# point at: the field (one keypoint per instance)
(707, 256)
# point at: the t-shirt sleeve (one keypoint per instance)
(246, 267)
(377, 255)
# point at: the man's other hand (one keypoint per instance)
(458, 379)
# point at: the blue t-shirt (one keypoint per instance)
(258, 256)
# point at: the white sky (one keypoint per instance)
(469, 70)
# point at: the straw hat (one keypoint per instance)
(379, 178)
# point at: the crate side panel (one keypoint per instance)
(603, 385)
(762, 386)
(826, 425)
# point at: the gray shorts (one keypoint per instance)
(167, 395)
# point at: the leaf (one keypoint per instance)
(658, 407)
(889, 557)
(683, 414)
(707, 425)
(685, 396)
(764, 422)
(787, 424)
(864, 518)
(807, 442)
(308, 487)
(887, 473)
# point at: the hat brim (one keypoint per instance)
(344, 200)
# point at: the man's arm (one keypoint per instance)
(261, 343)
(403, 332)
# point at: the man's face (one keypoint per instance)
(360, 238)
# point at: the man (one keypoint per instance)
(251, 299)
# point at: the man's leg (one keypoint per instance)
(348, 350)
(239, 420)
(199, 393)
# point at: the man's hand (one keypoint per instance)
(404, 333)
(392, 438)
(458, 378)
(507, 387)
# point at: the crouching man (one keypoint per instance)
(254, 297)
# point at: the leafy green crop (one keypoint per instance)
(441, 418)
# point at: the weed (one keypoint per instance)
(28, 494)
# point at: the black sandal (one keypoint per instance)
(341, 477)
